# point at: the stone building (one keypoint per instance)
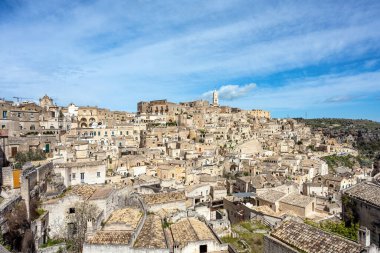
(215, 98)
(76, 173)
(296, 237)
(46, 102)
(167, 201)
(361, 203)
(256, 113)
(62, 209)
(159, 107)
(139, 233)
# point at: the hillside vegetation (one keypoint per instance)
(365, 133)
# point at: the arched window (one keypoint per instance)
(32, 127)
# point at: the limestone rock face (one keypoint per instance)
(376, 166)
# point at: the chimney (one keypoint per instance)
(364, 236)
(90, 226)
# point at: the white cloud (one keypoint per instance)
(118, 53)
(318, 92)
(231, 91)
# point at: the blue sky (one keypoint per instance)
(294, 58)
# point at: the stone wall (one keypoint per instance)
(179, 205)
(194, 247)
(33, 182)
(58, 211)
(7, 176)
(300, 211)
(368, 216)
(5, 207)
(53, 249)
(272, 245)
(113, 248)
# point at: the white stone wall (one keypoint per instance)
(175, 205)
(138, 170)
(58, 212)
(193, 247)
(100, 248)
(203, 191)
(219, 194)
(72, 175)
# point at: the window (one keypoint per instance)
(82, 177)
(121, 132)
(72, 210)
(73, 176)
(203, 248)
(13, 151)
(2, 126)
(72, 229)
(98, 174)
(4, 114)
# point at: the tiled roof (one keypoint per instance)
(101, 193)
(297, 199)
(84, 190)
(110, 237)
(152, 234)
(312, 240)
(190, 230)
(130, 216)
(163, 197)
(366, 191)
(271, 195)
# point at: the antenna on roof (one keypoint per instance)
(21, 98)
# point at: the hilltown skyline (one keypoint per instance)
(195, 176)
(191, 126)
(207, 97)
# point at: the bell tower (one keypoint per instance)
(215, 99)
